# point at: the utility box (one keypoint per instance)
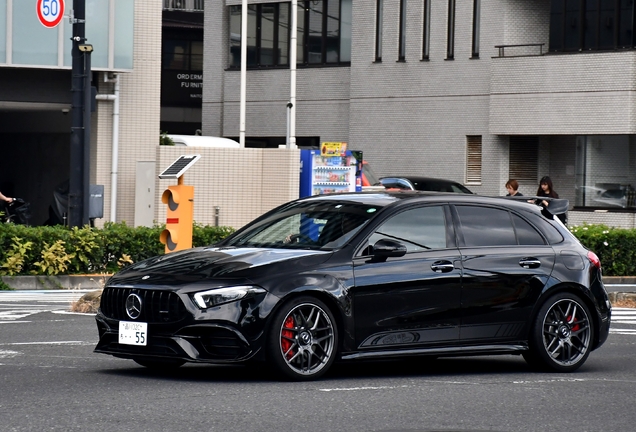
(96, 202)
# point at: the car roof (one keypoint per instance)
(419, 178)
(388, 197)
(427, 182)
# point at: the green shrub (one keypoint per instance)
(615, 247)
(59, 250)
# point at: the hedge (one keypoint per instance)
(615, 247)
(59, 250)
(51, 250)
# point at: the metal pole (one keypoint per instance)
(291, 142)
(86, 191)
(243, 72)
(76, 175)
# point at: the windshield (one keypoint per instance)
(306, 225)
(370, 175)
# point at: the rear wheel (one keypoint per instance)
(561, 335)
(303, 339)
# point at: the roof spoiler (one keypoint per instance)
(556, 206)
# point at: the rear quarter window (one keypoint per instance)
(550, 232)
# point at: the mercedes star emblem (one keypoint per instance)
(133, 306)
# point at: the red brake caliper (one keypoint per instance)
(576, 326)
(284, 342)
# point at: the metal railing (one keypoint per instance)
(502, 48)
(184, 5)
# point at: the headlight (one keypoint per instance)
(215, 297)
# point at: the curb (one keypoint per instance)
(62, 282)
(622, 297)
(71, 282)
(620, 280)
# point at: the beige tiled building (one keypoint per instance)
(475, 91)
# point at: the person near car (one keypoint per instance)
(512, 186)
(6, 198)
(546, 189)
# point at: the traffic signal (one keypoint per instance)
(179, 217)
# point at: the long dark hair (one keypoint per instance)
(547, 180)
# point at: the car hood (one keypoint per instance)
(218, 263)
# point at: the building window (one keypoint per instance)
(605, 171)
(577, 25)
(523, 159)
(378, 30)
(323, 33)
(476, 24)
(402, 35)
(426, 30)
(473, 159)
(450, 36)
(182, 55)
(267, 35)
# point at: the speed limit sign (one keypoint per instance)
(50, 12)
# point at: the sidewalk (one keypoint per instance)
(68, 282)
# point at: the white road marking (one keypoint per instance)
(362, 388)
(16, 315)
(8, 353)
(48, 343)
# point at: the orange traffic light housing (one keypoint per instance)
(179, 217)
(180, 200)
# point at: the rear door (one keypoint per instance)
(506, 263)
(413, 300)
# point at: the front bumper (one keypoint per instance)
(204, 343)
(178, 330)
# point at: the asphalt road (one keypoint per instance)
(50, 380)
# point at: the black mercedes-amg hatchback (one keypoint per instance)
(366, 275)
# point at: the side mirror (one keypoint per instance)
(386, 248)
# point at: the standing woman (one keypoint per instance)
(512, 186)
(546, 189)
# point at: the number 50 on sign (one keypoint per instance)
(50, 12)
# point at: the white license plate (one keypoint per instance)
(133, 333)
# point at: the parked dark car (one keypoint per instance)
(424, 184)
(366, 276)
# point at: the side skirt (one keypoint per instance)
(454, 351)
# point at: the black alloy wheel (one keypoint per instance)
(562, 334)
(303, 340)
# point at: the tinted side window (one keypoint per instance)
(418, 229)
(552, 234)
(526, 234)
(485, 226)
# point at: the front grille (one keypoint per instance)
(156, 306)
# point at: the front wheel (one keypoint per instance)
(303, 339)
(562, 334)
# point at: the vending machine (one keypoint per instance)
(331, 169)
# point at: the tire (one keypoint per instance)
(160, 365)
(303, 339)
(561, 335)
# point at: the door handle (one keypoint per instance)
(442, 266)
(529, 263)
